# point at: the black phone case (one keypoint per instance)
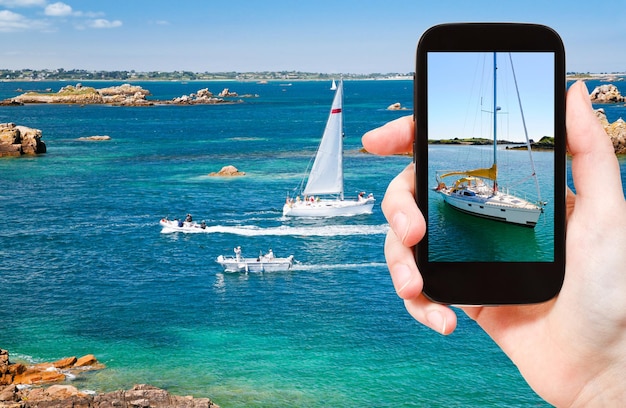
(477, 282)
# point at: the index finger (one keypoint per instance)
(395, 137)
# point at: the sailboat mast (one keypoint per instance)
(341, 140)
(495, 121)
(495, 109)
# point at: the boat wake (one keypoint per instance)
(305, 231)
(354, 266)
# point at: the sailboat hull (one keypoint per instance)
(329, 208)
(500, 207)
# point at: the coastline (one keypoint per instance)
(596, 76)
(24, 385)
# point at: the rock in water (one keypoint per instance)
(228, 171)
(606, 94)
(18, 140)
(616, 131)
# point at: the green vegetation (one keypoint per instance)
(467, 141)
(132, 75)
(67, 91)
(546, 142)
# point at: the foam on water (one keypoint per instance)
(307, 231)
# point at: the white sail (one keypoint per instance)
(326, 175)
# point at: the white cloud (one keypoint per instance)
(58, 9)
(11, 22)
(103, 23)
(22, 3)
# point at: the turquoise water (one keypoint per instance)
(86, 269)
(487, 240)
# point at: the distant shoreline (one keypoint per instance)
(597, 77)
(26, 75)
(61, 75)
(260, 81)
(546, 143)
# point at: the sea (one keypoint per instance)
(86, 269)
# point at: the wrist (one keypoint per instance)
(605, 390)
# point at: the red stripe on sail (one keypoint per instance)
(338, 110)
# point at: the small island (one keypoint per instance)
(546, 143)
(122, 95)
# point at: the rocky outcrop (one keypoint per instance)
(68, 94)
(122, 95)
(124, 89)
(43, 373)
(140, 396)
(396, 106)
(606, 94)
(227, 93)
(19, 140)
(125, 95)
(202, 96)
(228, 171)
(615, 130)
(21, 386)
(95, 138)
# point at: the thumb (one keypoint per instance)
(595, 168)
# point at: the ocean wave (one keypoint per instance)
(305, 231)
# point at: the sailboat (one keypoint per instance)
(326, 176)
(333, 86)
(476, 192)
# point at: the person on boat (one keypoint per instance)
(180, 223)
(188, 218)
(203, 225)
(361, 196)
(270, 254)
(237, 251)
(572, 349)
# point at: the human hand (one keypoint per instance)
(572, 349)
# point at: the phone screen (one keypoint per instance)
(491, 156)
(490, 162)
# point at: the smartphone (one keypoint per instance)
(490, 162)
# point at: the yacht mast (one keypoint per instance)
(495, 119)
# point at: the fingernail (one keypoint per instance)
(402, 275)
(400, 225)
(436, 321)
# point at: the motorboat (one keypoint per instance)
(263, 263)
(179, 225)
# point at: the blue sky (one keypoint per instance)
(460, 100)
(247, 35)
